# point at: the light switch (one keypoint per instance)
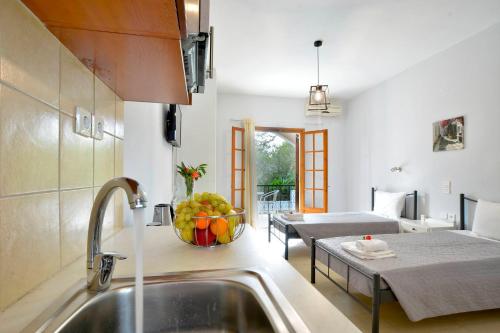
(446, 187)
(83, 122)
(97, 127)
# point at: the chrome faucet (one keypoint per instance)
(100, 265)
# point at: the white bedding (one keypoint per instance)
(324, 216)
(312, 216)
(473, 234)
(389, 204)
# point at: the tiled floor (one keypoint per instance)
(393, 319)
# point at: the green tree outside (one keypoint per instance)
(275, 160)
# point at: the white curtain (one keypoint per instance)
(250, 185)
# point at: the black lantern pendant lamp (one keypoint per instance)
(318, 94)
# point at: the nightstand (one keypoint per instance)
(428, 226)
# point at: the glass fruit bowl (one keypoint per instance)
(204, 230)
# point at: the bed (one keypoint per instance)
(434, 274)
(327, 225)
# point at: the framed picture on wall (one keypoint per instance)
(448, 134)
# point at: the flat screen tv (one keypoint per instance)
(172, 124)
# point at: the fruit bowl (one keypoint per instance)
(208, 220)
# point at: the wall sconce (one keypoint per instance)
(396, 169)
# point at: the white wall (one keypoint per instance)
(199, 137)
(391, 125)
(278, 112)
(147, 156)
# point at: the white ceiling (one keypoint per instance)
(265, 47)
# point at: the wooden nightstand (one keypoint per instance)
(428, 226)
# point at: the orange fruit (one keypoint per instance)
(219, 226)
(201, 222)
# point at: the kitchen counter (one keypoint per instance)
(164, 252)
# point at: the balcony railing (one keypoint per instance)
(285, 199)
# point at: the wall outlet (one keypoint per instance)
(97, 127)
(83, 122)
(452, 217)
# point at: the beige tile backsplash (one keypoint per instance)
(77, 84)
(105, 106)
(120, 110)
(76, 206)
(118, 157)
(29, 144)
(30, 53)
(49, 175)
(104, 159)
(76, 156)
(29, 243)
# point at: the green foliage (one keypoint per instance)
(190, 172)
(275, 160)
(283, 181)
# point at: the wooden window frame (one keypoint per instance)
(234, 151)
(324, 169)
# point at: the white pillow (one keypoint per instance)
(389, 204)
(487, 219)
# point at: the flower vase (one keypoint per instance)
(189, 188)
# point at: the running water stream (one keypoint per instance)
(139, 220)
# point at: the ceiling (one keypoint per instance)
(265, 47)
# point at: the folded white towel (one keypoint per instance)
(372, 245)
(293, 216)
(351, 248)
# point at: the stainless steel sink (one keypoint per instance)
(203, 301)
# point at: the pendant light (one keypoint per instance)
(318, 94)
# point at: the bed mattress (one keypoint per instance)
(433, 274)
(328, 225)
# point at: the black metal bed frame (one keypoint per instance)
(275, 226)
(463, 199)
(378, 295)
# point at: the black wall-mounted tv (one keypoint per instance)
(172, 124)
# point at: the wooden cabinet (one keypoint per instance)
(132, 45)
(196, 14)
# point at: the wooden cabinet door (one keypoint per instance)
(314, 171)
